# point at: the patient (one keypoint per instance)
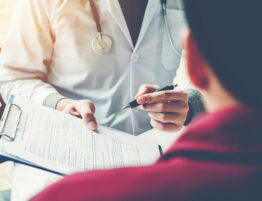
(219, 157)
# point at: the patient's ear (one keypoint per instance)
(196, 65)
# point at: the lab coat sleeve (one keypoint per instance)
(27, 52)
(195, 101)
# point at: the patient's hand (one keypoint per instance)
(79, 108)
(167, 109)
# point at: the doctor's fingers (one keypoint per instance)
(78, 105)
(85, 105)
(90, 120)
(165, 117)
(144, 89)
(171, 107)
(71, 110)
(167, 127)
(87, 109)
(163, 96)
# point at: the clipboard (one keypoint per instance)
(8, 127)
(44, 138)
(10, 120)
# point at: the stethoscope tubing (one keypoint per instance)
(95, 16)
(164, 14)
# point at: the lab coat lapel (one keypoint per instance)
(116, 12)
(152, 7)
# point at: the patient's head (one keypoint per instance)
(224, 50)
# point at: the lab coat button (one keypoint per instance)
(135, 57)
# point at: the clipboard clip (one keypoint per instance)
(10, 121)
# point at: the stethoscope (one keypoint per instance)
(164, 14)
(102, 43)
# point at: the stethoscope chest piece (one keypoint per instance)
(102, 44)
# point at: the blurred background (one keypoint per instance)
(7, 8)
(6, 12)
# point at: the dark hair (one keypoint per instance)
(229, 36)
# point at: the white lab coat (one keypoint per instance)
(48, 50)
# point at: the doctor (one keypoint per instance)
(89, 57)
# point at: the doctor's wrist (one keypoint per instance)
(62, 103)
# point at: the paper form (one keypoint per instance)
(63, 143)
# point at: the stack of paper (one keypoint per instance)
(63, 144)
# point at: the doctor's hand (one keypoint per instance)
(84, 109)
(167, 109)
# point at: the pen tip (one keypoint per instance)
(125, 107)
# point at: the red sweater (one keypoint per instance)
(219, 157)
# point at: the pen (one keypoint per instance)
(134, 103)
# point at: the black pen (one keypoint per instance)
(134, 103)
